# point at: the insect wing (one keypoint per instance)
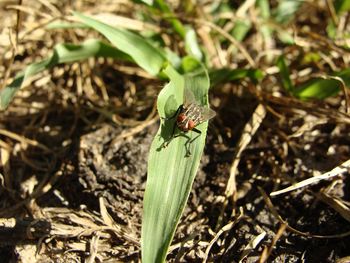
(206, 114)
(189, 97)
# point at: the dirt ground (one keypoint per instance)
(74, 148)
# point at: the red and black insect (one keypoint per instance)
(190, 114)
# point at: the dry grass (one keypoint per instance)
(73, 135)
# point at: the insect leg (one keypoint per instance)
(189, 141)
(197, 131)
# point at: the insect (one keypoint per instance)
(189, 115)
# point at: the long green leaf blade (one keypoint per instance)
(170, 172)
(221, 75)
(285, 74)
(144, 54)
(168, 14)
(62, 53)
(320, 88)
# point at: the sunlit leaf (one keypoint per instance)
(264, 8)
(240, 29)
(192, 46)
(311, 57)
(286, 9)
(342, 5)
(170, 171)
(143, 53)
(320, 88)
(148, 2)
(285, 37)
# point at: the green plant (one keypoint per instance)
(170, 172)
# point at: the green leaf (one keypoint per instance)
(345, 75)
(143, 53)
(170, 172)
(317, 89)
(310, 57)
(240, 29)
(225, 75)
(264, 7)
(331, 29)
(171, 17)
(342, 6)
(62, 53)
(286, 9)
(147, 2)
(190, 64)
(191, 44)
(284, 73)
(265, 28)
(285, 37)
(320, 88)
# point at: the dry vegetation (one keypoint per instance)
(75, 140)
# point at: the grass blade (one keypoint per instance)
(218, 76)
(192, 45)
(285, 74)
(170, 173)
(166, 11)
(342, 6)
(62, 53)
(286, 9)
(148, 2)
(321, 88)
(317, 89)
(143, 53)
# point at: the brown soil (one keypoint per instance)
(74, 166)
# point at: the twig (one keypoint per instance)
(224, 229)
(344, 167)
(248, 132)
(268, 250)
